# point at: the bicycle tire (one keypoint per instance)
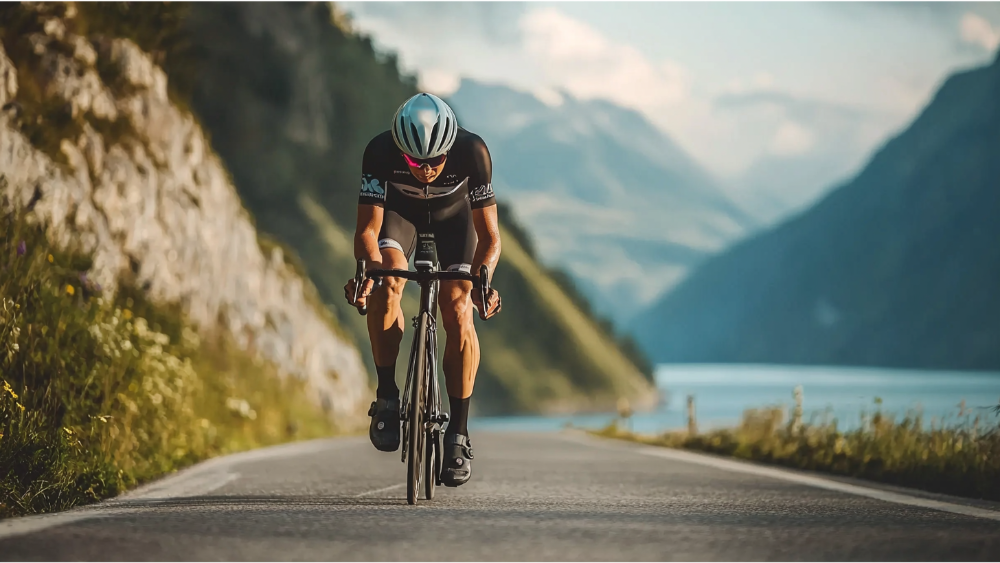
(415, 428)
(430, 463)
(433, 448)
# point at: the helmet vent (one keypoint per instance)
(434, 142)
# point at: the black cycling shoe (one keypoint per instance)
(457, 467)
(384, 429)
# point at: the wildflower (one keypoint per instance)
(127, 314)
(51, 259)
(20, 406)
(22, 247)
(70, 289)
(7, 388)
(68, 431)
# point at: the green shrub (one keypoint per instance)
(962, 458)
(99, 394)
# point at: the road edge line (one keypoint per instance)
(161, 488)
(748, 467)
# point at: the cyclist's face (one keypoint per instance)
(425, 172)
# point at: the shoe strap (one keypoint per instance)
(461, 441)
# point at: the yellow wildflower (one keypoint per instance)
(127, 314)
(6, 387)
(68, 431)
(70, 289)
(20, 406)
(51, 259)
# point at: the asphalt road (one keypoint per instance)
(532, 497)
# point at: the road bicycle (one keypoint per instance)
(420, 408)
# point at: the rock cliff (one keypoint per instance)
(131, 178)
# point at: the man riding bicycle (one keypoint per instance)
(426, 174)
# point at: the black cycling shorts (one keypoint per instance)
(455, 236)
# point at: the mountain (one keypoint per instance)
(291, 96)
(603, 192)
(898, 267)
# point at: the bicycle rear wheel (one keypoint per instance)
(417, 406)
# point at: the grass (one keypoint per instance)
(101, 393)
(960, 458)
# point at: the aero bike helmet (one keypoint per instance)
(424, 126)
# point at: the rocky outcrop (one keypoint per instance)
(136, 184)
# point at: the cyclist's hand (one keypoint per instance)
(366, 290)
(493, 303)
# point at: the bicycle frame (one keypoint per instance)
(422, 367)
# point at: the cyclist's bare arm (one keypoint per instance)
(365, 248)
(488, 230)
(487, 251)
(366, 233)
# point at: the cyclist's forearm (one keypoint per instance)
(366, 234)
(487, 252)
(487, 228)
(366, 248)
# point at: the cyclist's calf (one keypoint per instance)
(461, 351)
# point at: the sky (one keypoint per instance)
(733, 83)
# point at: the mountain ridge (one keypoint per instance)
(873, 274)
(592, 179)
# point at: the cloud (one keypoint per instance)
(976, 30)
(486, 21)
(791, 139)
(581, 60)
(439, 81)
(798, 108)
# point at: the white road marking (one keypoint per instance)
(199, 479)
(180, 486)
(29, 524)
(777, 473)
(382, 490)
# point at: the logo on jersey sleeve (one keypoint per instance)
(481, 193)
(370, 188)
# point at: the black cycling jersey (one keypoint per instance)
(442, 206)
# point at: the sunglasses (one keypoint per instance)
(418, 162)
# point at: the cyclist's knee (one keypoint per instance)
(393, 288)
(456, 313)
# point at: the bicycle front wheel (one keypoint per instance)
(417, 406)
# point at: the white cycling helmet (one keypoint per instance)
(424, 126)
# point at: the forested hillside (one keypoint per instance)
(291, 97)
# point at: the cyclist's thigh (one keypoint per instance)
(397, 239)
(456, 239)
(396, 242)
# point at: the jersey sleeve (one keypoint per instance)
(481, 176)
(373, 176)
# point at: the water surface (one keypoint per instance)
(723, 392)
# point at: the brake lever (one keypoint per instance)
(484, 288)
(359, 281)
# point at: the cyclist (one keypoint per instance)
(426, 173)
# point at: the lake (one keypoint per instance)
(722, 392)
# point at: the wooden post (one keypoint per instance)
(625, 412)
(692, 420)
(797, 414)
